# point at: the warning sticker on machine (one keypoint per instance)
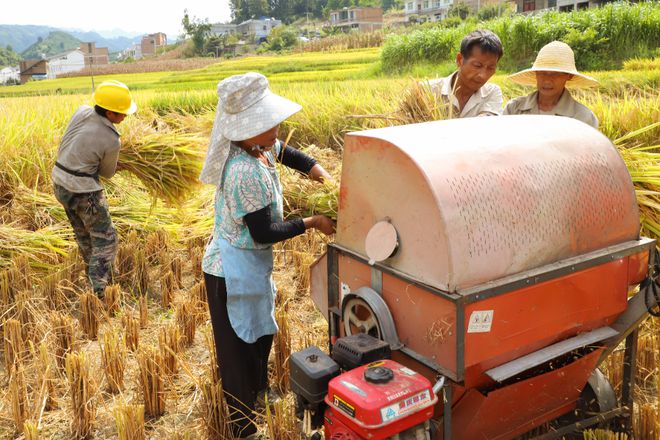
(480, 321)
(405, 406)
(344, 406)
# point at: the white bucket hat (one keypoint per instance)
(554, 57)
(246, 108)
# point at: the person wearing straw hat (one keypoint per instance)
(467, 89)
(238, 260)
(553, 71)
(89, 149)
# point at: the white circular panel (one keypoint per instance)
(381, 242)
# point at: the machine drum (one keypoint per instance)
(359, 349)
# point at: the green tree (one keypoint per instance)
(460, 9)
(197, 30)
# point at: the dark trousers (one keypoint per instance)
(243, 367)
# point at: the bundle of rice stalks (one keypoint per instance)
(64, 333)
(420, 104)
(282, 422)
(167, 163)
(113, 359)
(151, 367)
(91, 309)
(282, 344)
(131, 331)
(306, 198)
(198, 294)
(41, 247)
(18, 396)
(169, 344)
(112, 298)
(186, 319)
(30, 431)
(144, 311)
(130, 420)
(81, 391)
(14, 343)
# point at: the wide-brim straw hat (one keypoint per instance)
(249, 108)
(554, 57)
(246, 108)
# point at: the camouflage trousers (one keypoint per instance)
(95, 234)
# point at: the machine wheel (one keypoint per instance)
(597, 396)
(365, 311)
(360, 318)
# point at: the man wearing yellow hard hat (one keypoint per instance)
(89, 149)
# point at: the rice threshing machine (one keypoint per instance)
(483, 268)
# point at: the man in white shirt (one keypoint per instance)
(467, 89)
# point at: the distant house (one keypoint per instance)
(223, 29)
(135, 52)
(358, 18)
(428, 10)
(10, 74)
(260, 28)
(33, 69)
(531, 6)
(151, 42)
(94, 56)
(71, 61)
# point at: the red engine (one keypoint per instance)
(377, 401)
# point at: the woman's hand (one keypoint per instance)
(319, 174)
(320, 222)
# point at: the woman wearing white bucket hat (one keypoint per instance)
(238, 260)
(553, 71)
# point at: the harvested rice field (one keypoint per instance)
(141, 364)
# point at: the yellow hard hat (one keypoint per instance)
(114, 96)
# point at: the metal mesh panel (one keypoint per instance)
(519, 207)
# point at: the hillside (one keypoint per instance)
(56, 42)
(21, 37)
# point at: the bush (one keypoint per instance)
(602, 38)
(281, 38)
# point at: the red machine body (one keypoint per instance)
(360, 409)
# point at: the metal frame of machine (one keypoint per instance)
(625, 326)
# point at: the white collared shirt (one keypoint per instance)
(487, 100)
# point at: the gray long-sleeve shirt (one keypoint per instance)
(90, 145)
